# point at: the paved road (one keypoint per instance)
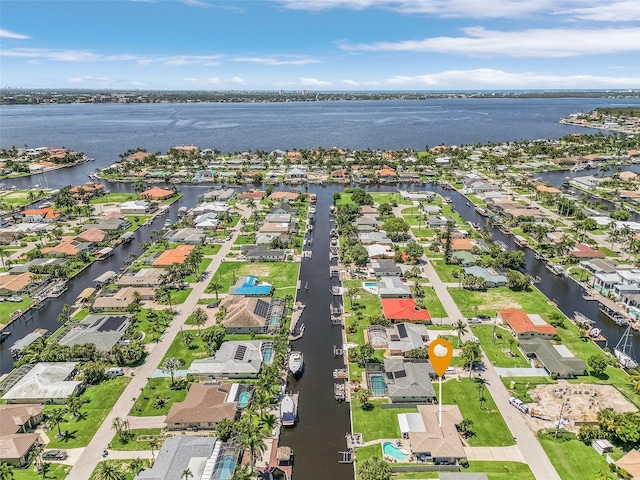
(91, 455)
(528, 446)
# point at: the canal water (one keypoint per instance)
(323, 422)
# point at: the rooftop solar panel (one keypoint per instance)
(240, 352)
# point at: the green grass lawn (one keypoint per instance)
(377, 423)
(367, 305)
(489, 426)
(57, 471)
(444, 271)
(122, 466)
(113, 197)
(433, 304)
(138, 439)
(8, 308)
(494, 471)
(194, 277)
(282, 275)
(245, 240)
(98, 402)
(522, 385)
(156, 388)
(387, 197)
(494, 349)
(136, 221)
(179, 296)
(186, 354)
(152, 328)
(572, 459)
(210, 249)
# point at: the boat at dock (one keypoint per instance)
(582, 319)
(296, 363)
(503, 246)
(554, 268)
(595, 332)
(520, 241)
(340, 391)
(623, 350)
(4, 334)
(614, 316)
(538, 256)
(289, 410)
(482, 211)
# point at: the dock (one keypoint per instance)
(340, 391)
(340, 373)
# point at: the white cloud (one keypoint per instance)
(196, 3)
(90, 80)
(275, 61)
(624, 11)
(545, 43)
(314, 82)
(491, 78)
(351, 83)
(17, 36)
(238, 81)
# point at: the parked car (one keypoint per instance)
(54, 455)
(115, 372)
(484, 317)
(213, 304)
(473, 320)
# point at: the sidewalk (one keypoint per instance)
(91, 455)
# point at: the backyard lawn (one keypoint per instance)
(282, 275)
(510, 357)
(494, 471)
(8, 308)
(56, 471)
(572, 459)
(113, 198)
(367, 304)
(186, 354)
(445, 272)
(377, 423)
(139, 439)
(472, 302)
(122, 467)
(98, 400)
(488, 425)
(156, 398)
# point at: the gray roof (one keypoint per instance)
(368, 238)
(383, 267)
(551, 358)
(177, 454)
(409, 336)
(233, 358)
(104, 331)
(37, 262)
(392, 287)
(405, 379)
(187, 235)
(601, 265)
(46, 380)
(278, 218)
(260, 251)
(489, 275)
(108, 224)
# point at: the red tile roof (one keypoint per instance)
(520, 322)
(157, 193)
(403, 309)
(581, 250)
(177, 255)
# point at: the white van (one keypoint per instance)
(115, 372)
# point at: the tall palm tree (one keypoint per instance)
(6, 471)
(73, 406)
(461, 328)
(252, 438)
(107, 471)
(135, 466)
(215, 286)
(170, 365)
(186, 474)
(117, 424)
(154, 444)
(199, 318)
(55, 417)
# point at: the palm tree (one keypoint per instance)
(480, 385)
(461, 328)
(170, 365)
(186, 474)
(117, 424)
(74, 404)
(55, 417)
(107, 471)
(135, 466)
(252, 438)
(154, 444)
(6, 471)
(215, 286)
(199, 318)
(65, 313)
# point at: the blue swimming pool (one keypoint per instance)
(226, 468)
(370, 284)
(390, 449)
(243, 399)
(377, 385)
(267, 353)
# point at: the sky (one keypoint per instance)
(320, 45)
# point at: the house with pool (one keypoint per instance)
(234, 359)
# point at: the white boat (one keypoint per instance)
(167, 223)
(296, 362)
(289, 410)
(623, 349)
(581, 318)
(595, 332)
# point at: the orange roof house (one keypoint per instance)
(254, 194)
(386, 172)
(581, 250)
(526, 326)
(403, 309)
(10, 284)
(138, 156)
(289, 196)
(187, 148)
(93, 235)
(90, 189)
(462, 244)
(38, 215)
(177, 255)
(547, 189)
(157, 193)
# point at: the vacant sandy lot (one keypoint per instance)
(581, 404)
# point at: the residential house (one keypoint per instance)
(136, 207)
(556, 359)
(418, 196)
(587, 182)
(156, 193)
(385, 268)
(234, 359)
(210, 207)
(220, 195)
(280, 227)
(259, 253)
(437, 221)
(341, 176)
(386, 175)
(40, 215)
(255, 195)
(463, 244)
(430, 442)
(404, 337)
(40, 265)
(409, 382)
(555, 237)
(277, 218)
(175, 255)
(189, 236)
(17, 438)
(480, 186)
(121, 299)
(295, 175)
(630, 462)
(88, 190)
(92, 236)
(68, 246)
(267, 238)
(525, 326)
(145, 277)
(464, 258)
(379, 251)
(367, 220)
(252, 314)
(250, 286)
(599, 265)
(370, 238)
(15, 284)
(581, 250)
(401, 309)
(283, 208)
(393, 287)
(104, 331)
(204, 407)
(110, 225)
(281, 196)
(491, 277)
(45, 382)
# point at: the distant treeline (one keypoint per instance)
(619, 111)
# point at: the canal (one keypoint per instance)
(323, 422)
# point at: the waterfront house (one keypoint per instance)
(120, 300)
(220, 195)
(145, 277)
(277, 218)
(295, 175)
(379, 251)
(404, 337)
(252, 314)
(39, 265)
(234, 359)
(386, 175)
(189, 236)
(403, 308)
(462, 244)
(526, 326)
(40, 215)
(250, 286)
(92, 236)
(255, 195)
(17, 436)
(430, 442)
(600, 265)
(581, 250)
(385, 268)
(341, 176)
(156, 193)
(369, 238)
(437, 221)
(19, 284)
(45, 382)
(557, 360)
(136, 207)
(464, 258)
(285, 196)
(111, 225)
(393, 287)
(492, 278)
(409, 382)
(259, 253)
(104, 331)
(267, 238)
(204, 407)
(210, 207)
(176, 255)
(207, 221)
(423, 195)
(587, 182)
(68, 246)
(432, 209)
(283, 209)
(88, 190)
(367, 220)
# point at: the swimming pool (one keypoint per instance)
(267, 353)
(225, 469)
(390, 449)
(371, 287)
(377, 385)
(243, 399)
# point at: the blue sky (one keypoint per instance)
(320, 45)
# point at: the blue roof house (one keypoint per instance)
(249, 286)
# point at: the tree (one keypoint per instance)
(6, 471)
(470, 354)
(517, 281)
(187, 339)
(461, 328)
(215, 286)
(414, 250)
(375, 468)
(73, 404)
(224, 429)
(588, 433)
(397, 229)
(363, 396)
(54, 418)
(135, 466)
(186, 474)
(170, 365)
(251, 438)
(448, 239)
(154, 444)
(385, 209)
(466, 426)
(597, 363)
(65, 313)
(199, 317)
(108, 471)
